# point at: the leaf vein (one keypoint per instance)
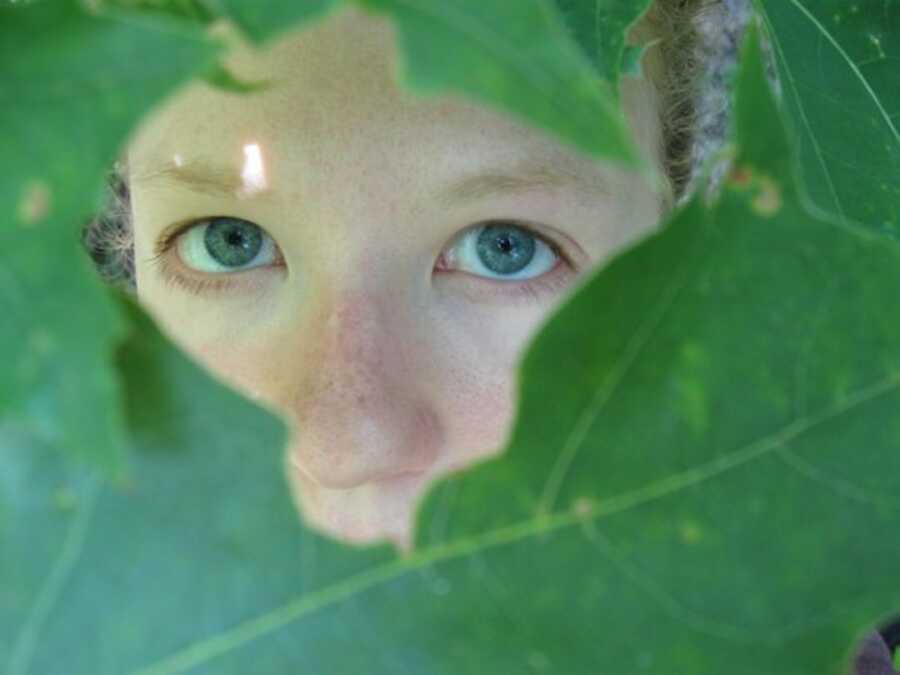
(856, 71)
(633, 349)
(207, 649)
(803, 116)
(673, 607)
(52, 588)
(843, 488)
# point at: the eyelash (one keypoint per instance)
(530, 289)
(176, 279)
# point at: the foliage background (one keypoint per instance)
(716, 489)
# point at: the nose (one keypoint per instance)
(360, 404)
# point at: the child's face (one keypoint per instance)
(366, 311)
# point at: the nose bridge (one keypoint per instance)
(348, 302)
(357, 292)
(355, 335)
(361, 412)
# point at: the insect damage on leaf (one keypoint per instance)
(34, 204)
(690, 532)
(767, 201)
(584, 506)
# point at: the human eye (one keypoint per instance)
(510, 252)
(212, 251)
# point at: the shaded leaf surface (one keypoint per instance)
(131, 582)
(73, 85)
(713, 490)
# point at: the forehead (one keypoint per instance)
(335, 103)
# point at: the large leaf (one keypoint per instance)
(65, 69)
(701, 479)
(262, 21)
(517, 56)
(73, 86)
(117, 561)
(839, 64)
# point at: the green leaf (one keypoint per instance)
(262, 21)
(839, 65)
(110, 559)
(518, 57)
(702, 478)
(600, 27)
(74, 84)
(222, 78)
(193, 10)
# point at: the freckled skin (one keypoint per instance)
(389, 373)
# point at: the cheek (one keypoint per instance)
(457, 363)
(244, 366)
(220, 335)
(211, 337)
(478, 375)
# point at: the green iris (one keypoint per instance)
(232, 242)
(505, 249)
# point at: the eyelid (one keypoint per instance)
(531, 288)
(170, 234)
(193, 248)
(556, 239)
(197, 281)
(167, 237)
(525, 290)
(551, 241)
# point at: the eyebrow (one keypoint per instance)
(538, 171)
(533, 172)
(197, 175)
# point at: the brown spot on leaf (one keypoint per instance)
(92, 6)
(583, 506)
(690, 532)
(768, 200)
(34, 205)
(740, 176)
